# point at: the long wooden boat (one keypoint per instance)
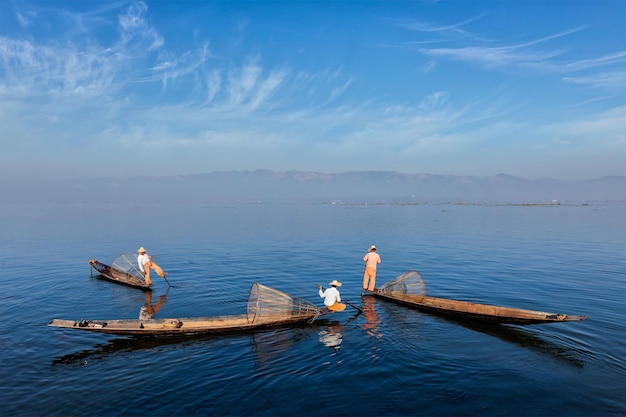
(124, 270)
(409, 289)
(266, 307)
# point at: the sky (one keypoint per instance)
(532, 88)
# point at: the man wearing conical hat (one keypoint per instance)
(331, 296)
(146, 263)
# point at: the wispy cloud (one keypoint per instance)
(522, 55)
(613, 80)
(601, 61)
(339, 90)
(22, 19)
(78, 67)
(133, 26)
(452, 30)
(518, 54)
(494, 56)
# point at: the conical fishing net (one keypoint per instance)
(268, 303)
(126, 264)
(409, 283)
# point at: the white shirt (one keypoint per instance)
(330, 295)
(142, 260)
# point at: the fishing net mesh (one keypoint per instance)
(268, 303)
(409, 283)
(127, 262)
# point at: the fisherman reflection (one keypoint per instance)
(148, 310)
(331, 336)
(372, 321)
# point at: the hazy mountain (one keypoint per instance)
(266, 185)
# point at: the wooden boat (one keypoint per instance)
(409, 289)
(266, 307)
(124, 270)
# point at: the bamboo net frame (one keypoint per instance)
(409, 283)
(268, 303)
(127, 262)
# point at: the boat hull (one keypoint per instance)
(181, 326)
(475, 311)
(118, 276)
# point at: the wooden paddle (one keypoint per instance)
(168, 283)
(353, 306)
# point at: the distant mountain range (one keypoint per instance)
(364, 186)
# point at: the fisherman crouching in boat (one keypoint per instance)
(146, 263)
(331, 296)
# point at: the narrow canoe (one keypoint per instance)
(408, 289)
(180, 326)
(124, 271)
(267, 307)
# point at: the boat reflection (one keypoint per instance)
(269, 346)
(112, 347)
(523, 337)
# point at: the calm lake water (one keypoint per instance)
(568, 258)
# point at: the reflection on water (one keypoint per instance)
(113, 347)
(331, 336)
(522, 336)
(372, 322)
(148, 310)
(272, 345)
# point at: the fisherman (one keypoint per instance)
(371, 259)
(331, 296)
(146, 263)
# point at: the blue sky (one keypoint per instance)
(118, 89)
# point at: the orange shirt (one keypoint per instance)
(371, 260)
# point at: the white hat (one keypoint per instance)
(335, 283)
(372, 247)
(141, 249)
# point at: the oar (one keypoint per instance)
(168, 283)
(353, 306)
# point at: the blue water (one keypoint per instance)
(568, 258)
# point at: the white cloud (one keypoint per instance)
(612, 80)
(22, 19)
(133, 26)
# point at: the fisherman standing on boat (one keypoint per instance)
(331, 296)
(371, 259)
(146, 263)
